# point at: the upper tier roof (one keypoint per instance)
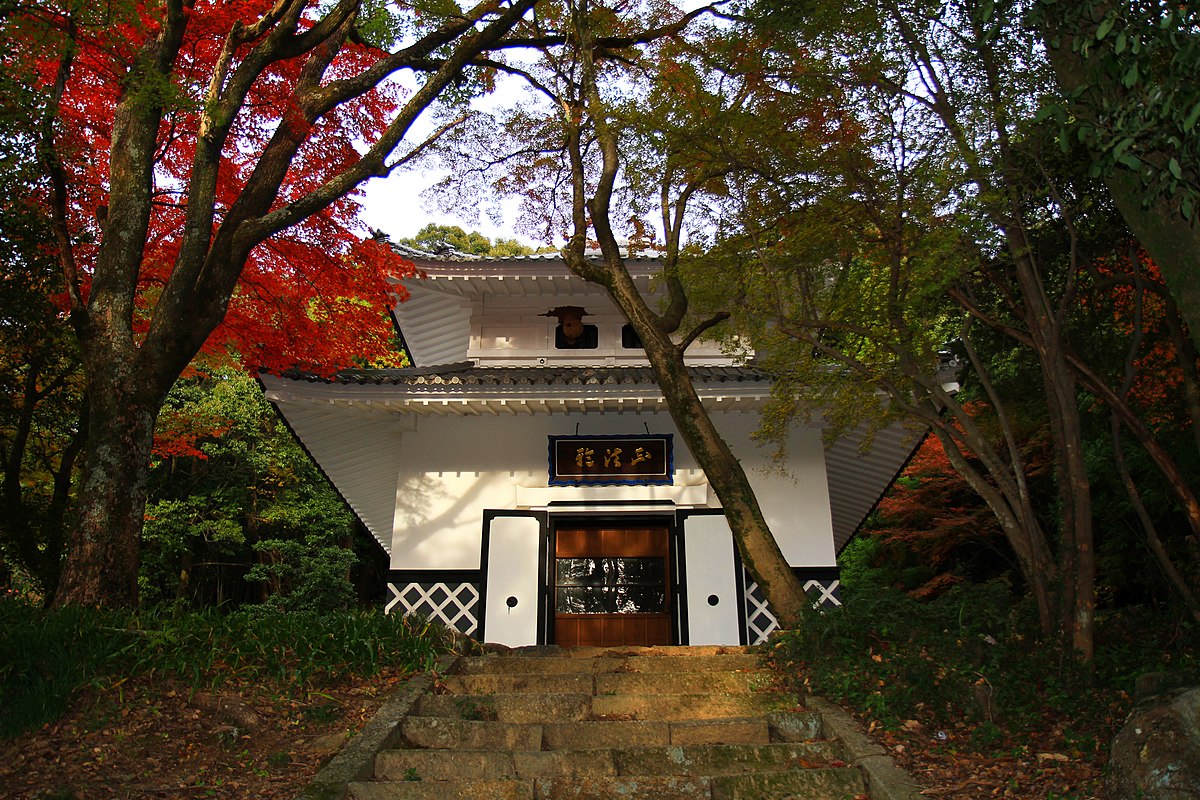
(494, 311)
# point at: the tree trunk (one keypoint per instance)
(759, 550)
(102, 556)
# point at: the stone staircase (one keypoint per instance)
(667, 723)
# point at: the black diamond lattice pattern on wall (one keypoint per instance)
(453, 604)
(760, 622)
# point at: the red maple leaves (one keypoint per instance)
(312, 298)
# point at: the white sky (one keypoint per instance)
(395, 206)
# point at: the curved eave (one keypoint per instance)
(527, 276)
(496, 401)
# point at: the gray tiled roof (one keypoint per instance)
(447, 254)
(467, 374)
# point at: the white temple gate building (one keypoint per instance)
(528, 483)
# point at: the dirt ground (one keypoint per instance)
(157, 739)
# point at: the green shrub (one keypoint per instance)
(973, 654)
(50, 655)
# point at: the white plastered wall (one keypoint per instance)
(454, 468)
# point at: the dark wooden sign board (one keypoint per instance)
(611, 460)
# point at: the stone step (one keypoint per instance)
(623, 651)
(612, 683)
(650, 733)
(523, 707)
(580, 788)
(812, 784)
(564, 683)
(394, 765)
(498, 789)
(795, 726)
(440, 733)
(708, 682)
(832, 783)
(689, 706)
(528, 707)
(529, 664)
(723, 759)
(681, 682)
(711, 760)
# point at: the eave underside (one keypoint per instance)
(343, 426)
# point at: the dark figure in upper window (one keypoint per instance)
(572, 333)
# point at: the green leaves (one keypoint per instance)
(49, 655)
(235, 487)
(1134, 91)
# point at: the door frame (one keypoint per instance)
(485, 557)
(739, 574)
(613, 517)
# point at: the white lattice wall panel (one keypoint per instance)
(824, 593)
(760, 622)
(455, 605)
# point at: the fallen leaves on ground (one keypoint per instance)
(948, 764)
(155, 739)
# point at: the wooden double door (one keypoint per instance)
(612, 585)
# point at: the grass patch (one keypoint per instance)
(49, 655)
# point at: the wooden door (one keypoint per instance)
(612, 586)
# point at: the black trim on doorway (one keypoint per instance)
(667, 517)
(681, 517)
(817, 573)
(615, 504)
(543, 534)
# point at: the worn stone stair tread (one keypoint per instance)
(523, 707)
(604, 683)
(480, 764)
(636, 787)
(525, 665)
(644, 733)
(680, 682)
(826, 783)
(441, 733)
(810, 784)
(706, 760)
(683, 706)
(795, 726)
(520, 707)
(494, 789)
(559, 683)
(653, 651)
(722, 759)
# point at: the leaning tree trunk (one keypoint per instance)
(757, 545)
(760, 552)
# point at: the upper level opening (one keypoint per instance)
(525, 312)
